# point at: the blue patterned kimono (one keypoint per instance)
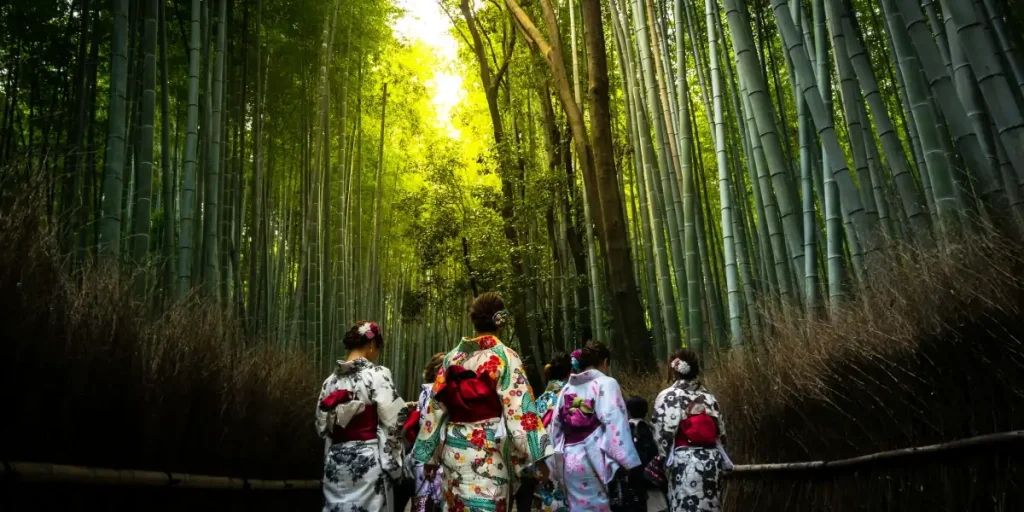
(550, 497)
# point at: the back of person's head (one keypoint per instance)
(593, 354)
(559, 368)
(361, 334)
(636, 407)
(684, 364)
(487, 312)
(434, 364)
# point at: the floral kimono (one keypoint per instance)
(550, 497)
(481, 425)
(689, 430)
(591, 434)
(361, 416)
(426, 489)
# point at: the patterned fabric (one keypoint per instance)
(481, 458)
(426, 490)
(631, 493)
(693, 472)
(357, 474)
(550, 497)
(586, 468)
(546, 401)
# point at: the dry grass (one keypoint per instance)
(932, 352)
(88, 377)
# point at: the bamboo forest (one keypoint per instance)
(821, 199)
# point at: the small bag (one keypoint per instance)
(655, 472)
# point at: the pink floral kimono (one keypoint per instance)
(592, 437)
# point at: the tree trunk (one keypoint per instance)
(166, 179)
(144, 174)
(211, 213)
(110, 226)
(188, 186)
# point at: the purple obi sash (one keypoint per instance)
(578, 418)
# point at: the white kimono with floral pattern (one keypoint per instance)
(358, 474)
(693, 471)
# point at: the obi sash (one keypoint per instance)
(353, 420)
(698, 431)
(469, 397)
(578, 418)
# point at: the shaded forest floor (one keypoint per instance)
(931, 352)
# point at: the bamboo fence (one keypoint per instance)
(45, 472)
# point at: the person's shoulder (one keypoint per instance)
(379, 370)
(665, 392)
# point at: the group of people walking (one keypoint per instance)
(478, 441)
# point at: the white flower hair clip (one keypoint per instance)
(681, 367)
(368, 330)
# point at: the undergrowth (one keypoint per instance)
(88, 376)
(929, 351)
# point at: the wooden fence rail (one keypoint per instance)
(45, 472)
(985, 441)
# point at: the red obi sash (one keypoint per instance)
(362, 426)
(469, 397)
(698, 430)
(411, 427)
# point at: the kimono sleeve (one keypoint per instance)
(555, 430)
(324, 419)
(391, 413)
(427, 449)
(530, 441)
(618, 440)
(665, 421)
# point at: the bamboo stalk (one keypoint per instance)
(45, 472)
(748, 470)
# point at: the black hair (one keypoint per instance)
(355, 339)
(689, 357)
(430, 369)
(482, 311)
(559, 368)
(636, 407)
(593, 353)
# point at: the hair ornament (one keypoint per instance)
(501, 318)
(681, 367)
(575, 356)
(369, 330)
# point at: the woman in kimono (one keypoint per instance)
(590, 431)
(360, 415)
(481, 424)
(428, 490)
(689, 431)
(550, 497)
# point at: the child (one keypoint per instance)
(632, 491)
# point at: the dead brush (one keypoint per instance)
(929, 351)
(93, 378)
